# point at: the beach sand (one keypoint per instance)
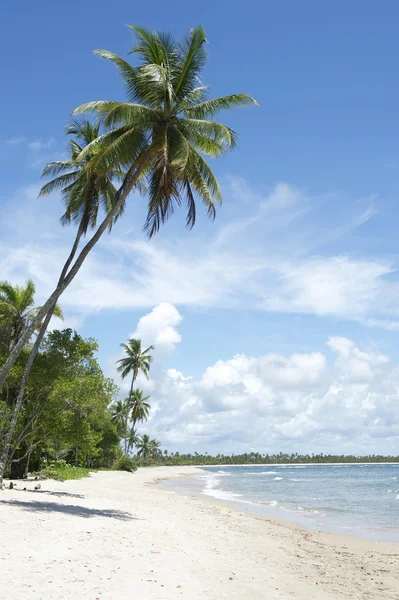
(117, 536)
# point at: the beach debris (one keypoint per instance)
(11, 486)
(38, 486)
(178, 586)
(230, 578)
(24, 489)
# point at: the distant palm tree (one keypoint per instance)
(155, 448)
(136, 361)
(144, 447)
(139, 407)
(133, 439)
(17, 310)
(118, 415)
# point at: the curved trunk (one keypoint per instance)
(121, 195)
(28, 367)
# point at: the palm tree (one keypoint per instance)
(133, 439)
(118, 415)
(17, 310)
(144, 447)
(84, 193)
(136, 361)
(163, 133)
(139, 407)
(155, 448)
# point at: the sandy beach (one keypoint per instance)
(117, 536)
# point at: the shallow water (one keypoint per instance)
(356, 499)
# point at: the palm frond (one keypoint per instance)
(215, 105)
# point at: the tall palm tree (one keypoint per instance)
(84, 193)
(136, 361)
(17, 310)
(163, 133)
(139, 407)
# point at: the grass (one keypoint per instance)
(64, 471)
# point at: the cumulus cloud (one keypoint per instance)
(158, 328)
(302, 402)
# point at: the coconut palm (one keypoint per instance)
(133, 439)
(17, 310)
(136, 361)
(162, 132)
(155, 448)
(139, 407)
(144, 446)
(84, 193)
(118, 415)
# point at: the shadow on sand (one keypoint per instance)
(70, 509)
(51, 493)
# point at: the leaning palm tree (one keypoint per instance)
(162, 133)
(84, 193)
(18, 310)
(136, 361)
(139, 407)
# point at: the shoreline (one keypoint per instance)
(272, 509)
(117, 535)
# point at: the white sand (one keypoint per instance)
(115, 537)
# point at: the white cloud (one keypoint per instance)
(262, 261)
(302, 402)
(158, 328)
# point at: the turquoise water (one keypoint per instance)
(360, 500)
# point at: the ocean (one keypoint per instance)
(359, 499)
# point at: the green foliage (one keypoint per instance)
(163, 130)
(136, 361)
(60, 469)
(254, 458)
(17, 311)
(125, 463)
(65, 412)
(84, 193)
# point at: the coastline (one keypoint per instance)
(315, 520)
(117, 535)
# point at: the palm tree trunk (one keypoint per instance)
(28, 367)
(121, 195)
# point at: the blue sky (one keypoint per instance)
(303, 254)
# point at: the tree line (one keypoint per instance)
(253, 458)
